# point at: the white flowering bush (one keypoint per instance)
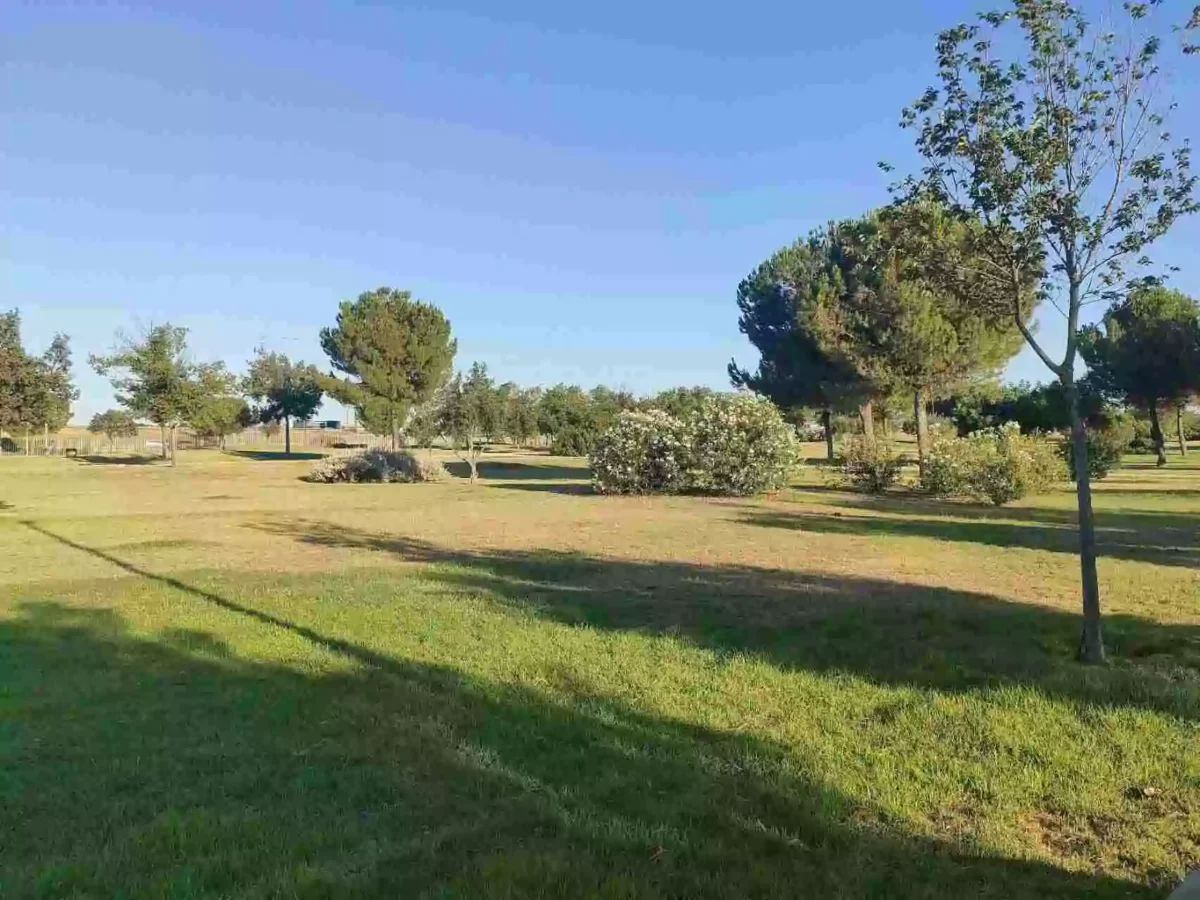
(641, 453)
(377, 466)
(733, 446)
(740, 446)
(996, 464)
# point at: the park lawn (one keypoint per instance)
(220, 681)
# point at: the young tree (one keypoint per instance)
(396, 351)
(219, 416)
(681, 402)
(470, 410)
(285, 390)
(521, 413)
(1146, 353)
(113, 424)
(781, 306)
(1063, 161)
(155, 380)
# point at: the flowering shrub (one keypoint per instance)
(729, 445)
(641, 453)
(740, 446)
(1106, 447)
(870, 466)
(995, 464)
(377, 466)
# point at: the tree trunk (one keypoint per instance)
(866, 413)
(1091, 642)
(162, 439)
(287, 435)
(45, 439)
(28, 445)
(471, 459)
(1156, 434)
(174, 429)
(922, 420)
(827, 422)
(394, 427)
(1179, 430)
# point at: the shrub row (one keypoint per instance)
(732, 445)
(377, 466)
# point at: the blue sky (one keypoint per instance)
(579, 186)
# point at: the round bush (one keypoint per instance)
(641, 453)
(995, 464)
(740, 446)
(870, 466)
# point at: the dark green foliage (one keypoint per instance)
(35, 392)
(1146, 352)
(113, 424)
(219, 416)
(1040, 407)
(573, 418)
(396, 351)
(285, 390)
(520, 423)
(680, 402)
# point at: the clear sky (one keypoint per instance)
(579, 186)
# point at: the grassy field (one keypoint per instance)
(220, 681)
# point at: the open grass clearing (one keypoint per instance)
(221, 681)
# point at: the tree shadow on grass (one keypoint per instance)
(1166, 539)
(275, 455)
(130, 460)
(889, 632)
(175, 767)
(493, 470)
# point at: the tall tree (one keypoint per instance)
(521, 413)
(113, 424)
(283, 389)
(1063, 157)
(1146, 353)
(781, 313)
(396, 351)
(35, 392)
(471, 409)
(220, 415)
(156, 380)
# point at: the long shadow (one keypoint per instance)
(174, 767)
(887, 631)
(274, 455)
(131, 460)
(1166, 539)
(519, 471)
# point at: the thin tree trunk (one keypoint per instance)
(28, 445)
(866, 414)
(45, 439)
(162, 439)
(1179, 430)
(1156, 434)
(287, 435)
(174, 429)
(471, 459)
(827, 422)
(1091, 642)
(922, 420)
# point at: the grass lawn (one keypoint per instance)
(219, 681)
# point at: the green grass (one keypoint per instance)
(219, 681)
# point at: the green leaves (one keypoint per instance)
(34, 391)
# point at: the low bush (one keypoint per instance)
(728, 445)
(870, 466)
(642, 453)
(377, 466)
(1106, 446)
(995, 464)
(573, 440)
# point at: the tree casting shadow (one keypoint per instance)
(1166, 539)
(173, 766)
(131, 460)
(889, 632)
(495, 470)
(275, 455)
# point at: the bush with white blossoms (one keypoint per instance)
(641, 453)
(377, 466)
(996, 464)
(731, 445)
(740, 446)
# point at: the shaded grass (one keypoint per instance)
(275, 455)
